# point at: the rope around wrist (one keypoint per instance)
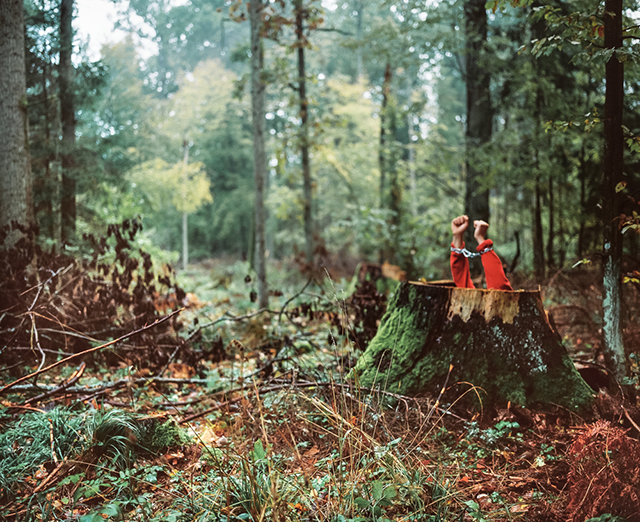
(466, 253)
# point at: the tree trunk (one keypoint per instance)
(538, 237)
(16, 202)
(359, 7)
(68, 119)
(185, 224)
(304, 135)
(383, 150)
(501, 342)
(581, 247)
(479, 108)
(412, 168)
(382, 153)
(611, 202)
(551, 231)
(259, 154)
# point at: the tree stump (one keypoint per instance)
(499, 341)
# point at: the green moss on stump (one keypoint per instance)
(499, 341)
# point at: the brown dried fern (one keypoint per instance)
(604, 474)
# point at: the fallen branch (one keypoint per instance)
(71, 380)
(228, 317)
(91, 350)
(110, 385)
(284, 306)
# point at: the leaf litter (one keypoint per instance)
(236, 414)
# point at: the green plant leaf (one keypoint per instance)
(259, 452)
(390, 492)
(378, 489)
(362, 502)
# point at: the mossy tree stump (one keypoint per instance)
(499, 341)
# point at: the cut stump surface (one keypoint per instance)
(499, 341)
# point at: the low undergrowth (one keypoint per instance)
(250, 418)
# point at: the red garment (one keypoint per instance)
(493, 271)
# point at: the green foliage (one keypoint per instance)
(36, 438)
(186, 187)
(113, 436)
(157, 436)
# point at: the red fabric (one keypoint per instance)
(460, 270)
(493, 271)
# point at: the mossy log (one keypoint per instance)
(499, 341)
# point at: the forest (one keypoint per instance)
(228, 239)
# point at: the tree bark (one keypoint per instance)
(16, 199)
(259, 154)
(359, 7)
(383, 149)
(479, 108)
(499, 341)
(304, 135)
(185, 218)
(68, 119)
(538, 237)
(382, 153)
(551, 231)
(611, 201)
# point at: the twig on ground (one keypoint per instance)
(170, 360)
(284, 306)
(626, 414)
(115, 384)
(71, 380)
(228, 317)
(91, 350)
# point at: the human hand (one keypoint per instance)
(458, 227)
(480, 232)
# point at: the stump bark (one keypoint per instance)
(499, 341)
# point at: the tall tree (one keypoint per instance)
(259, 154)
(611, 201)
(15, 170)
(359, 8)
(479, 108)
(301, 43)
(68, 119)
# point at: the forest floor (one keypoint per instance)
(249, 415)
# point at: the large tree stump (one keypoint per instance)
(499, 341)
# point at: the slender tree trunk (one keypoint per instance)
(50, 180)
(583, 203)
(359, 7)
(479, 108)
(551, 232)
(562, 250)
(412, 167)
(223, 36)
(16, 201)
(383, 152)
(185, 224)
(68, 118)
(611, 202)
(259, 154)
(538, 235)
(538, 238)
(304, 135)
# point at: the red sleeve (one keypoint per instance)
(493, 271)
(460, 270)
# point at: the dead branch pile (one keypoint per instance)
(54, 303)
